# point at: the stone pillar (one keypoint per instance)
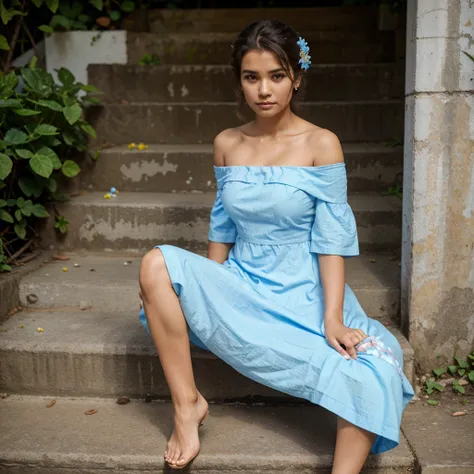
(438, 192)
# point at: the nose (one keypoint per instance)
(264, 89)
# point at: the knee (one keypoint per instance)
(152, 268)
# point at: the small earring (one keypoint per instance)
(296, 88)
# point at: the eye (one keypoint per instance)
(278, 76)
(250, 77)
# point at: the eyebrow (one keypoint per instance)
(255, 72)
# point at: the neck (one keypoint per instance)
(274, 126)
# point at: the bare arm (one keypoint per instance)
(332, 267)
(218, 251)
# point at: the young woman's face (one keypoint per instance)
(265, 84)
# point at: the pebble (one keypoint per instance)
(83, 305)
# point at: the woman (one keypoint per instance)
(271, 299)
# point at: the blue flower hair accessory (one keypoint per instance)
(305, 58)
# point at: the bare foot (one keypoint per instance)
(183, 446)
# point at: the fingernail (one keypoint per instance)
(347, 357)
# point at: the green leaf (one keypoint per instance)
(461, 372)
(6, 216)
(458, 388)
(27, 208)
(128, 6)
(93, 100)
(6, 165)
(115, 15)
(11, 202)
(66, 77)
(26, 112)
(72, 113)
(52, 5)
(3, 203)
(41, 165)
(52, 185)
(440, 371)
(38, 81)
(39, 210)
(10, 103)
(89, 129)
(46, 29)
(18, 215)
(33, 62)
(38, 3)
(438, 387)
(68, 139)
(78, 25)
(470, 375)
(30, 186)
(462, 363)
(89, 88)
(24, 153)
(99, 4)
(45, 151)
(10, 80)
(4, 43)
(15, 137)
(70, 169)
(61, 20)
(432, 402)
(45, 129)
(20, 231)
(453, 368)
(51, 104)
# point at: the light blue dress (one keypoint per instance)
(262, 310)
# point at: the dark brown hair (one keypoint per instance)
(267, 35)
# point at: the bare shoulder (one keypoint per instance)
(326, 147)
(223, 143)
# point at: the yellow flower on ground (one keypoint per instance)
(64, 269)
(131, 145)
(40, 330)
(142, 146)
(107, 196)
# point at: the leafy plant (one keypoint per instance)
(462, 370)
(41, 129)
(147, 59)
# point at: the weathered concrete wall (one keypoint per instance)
(438, 227)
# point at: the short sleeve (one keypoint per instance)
(222, 228)
(334, 231)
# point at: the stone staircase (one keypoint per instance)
(93, 347)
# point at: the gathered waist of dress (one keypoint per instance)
(272, 242)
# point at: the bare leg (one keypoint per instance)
(169, 332)
(352, 448)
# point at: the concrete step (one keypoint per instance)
(169, 168)
(215, 48)
(109, 353)
(198, 83)
(233, 20)
(132, 438)
(191, 123)
(113, 286)
(138, 221)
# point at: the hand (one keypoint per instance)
(337, 334)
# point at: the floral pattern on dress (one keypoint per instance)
(373, 345)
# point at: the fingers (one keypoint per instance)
(338, 348)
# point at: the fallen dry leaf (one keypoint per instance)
(459, 413)
(90, 412)
(51, 404)
(103, 21)
(123, 400)
(62, 258)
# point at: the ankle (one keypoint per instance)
(186, 400)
